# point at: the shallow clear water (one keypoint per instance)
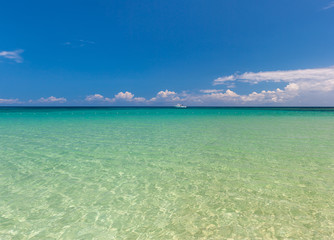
(163, 173)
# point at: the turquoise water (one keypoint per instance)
(163, 173)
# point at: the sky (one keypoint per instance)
(161, 53)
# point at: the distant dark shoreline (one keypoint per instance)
(169, 107)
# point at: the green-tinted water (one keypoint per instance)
(159, 173)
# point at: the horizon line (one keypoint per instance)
(82, 106)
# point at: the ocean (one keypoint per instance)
(166, 173)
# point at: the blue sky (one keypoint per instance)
(224, 52)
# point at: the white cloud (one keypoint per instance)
(139, 99)
(9, 101)
(275, 96)
(51, 99)
(330, 5)
(230, 97)
(299, 83)
(210, 97)
(121, 96)
(97, 97)
(319, 75)
(94, 97)
(222, 80)
(126, 96)
(219, 95)
(302, 87)
(13, 55)
(166, 96)
(211, 90)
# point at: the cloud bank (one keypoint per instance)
(51, 99)
(119, 97)
(318, 76)
(308, 87)
(300, 83)
(9, 101)
(304, 87)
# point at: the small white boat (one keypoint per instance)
(180, 106)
